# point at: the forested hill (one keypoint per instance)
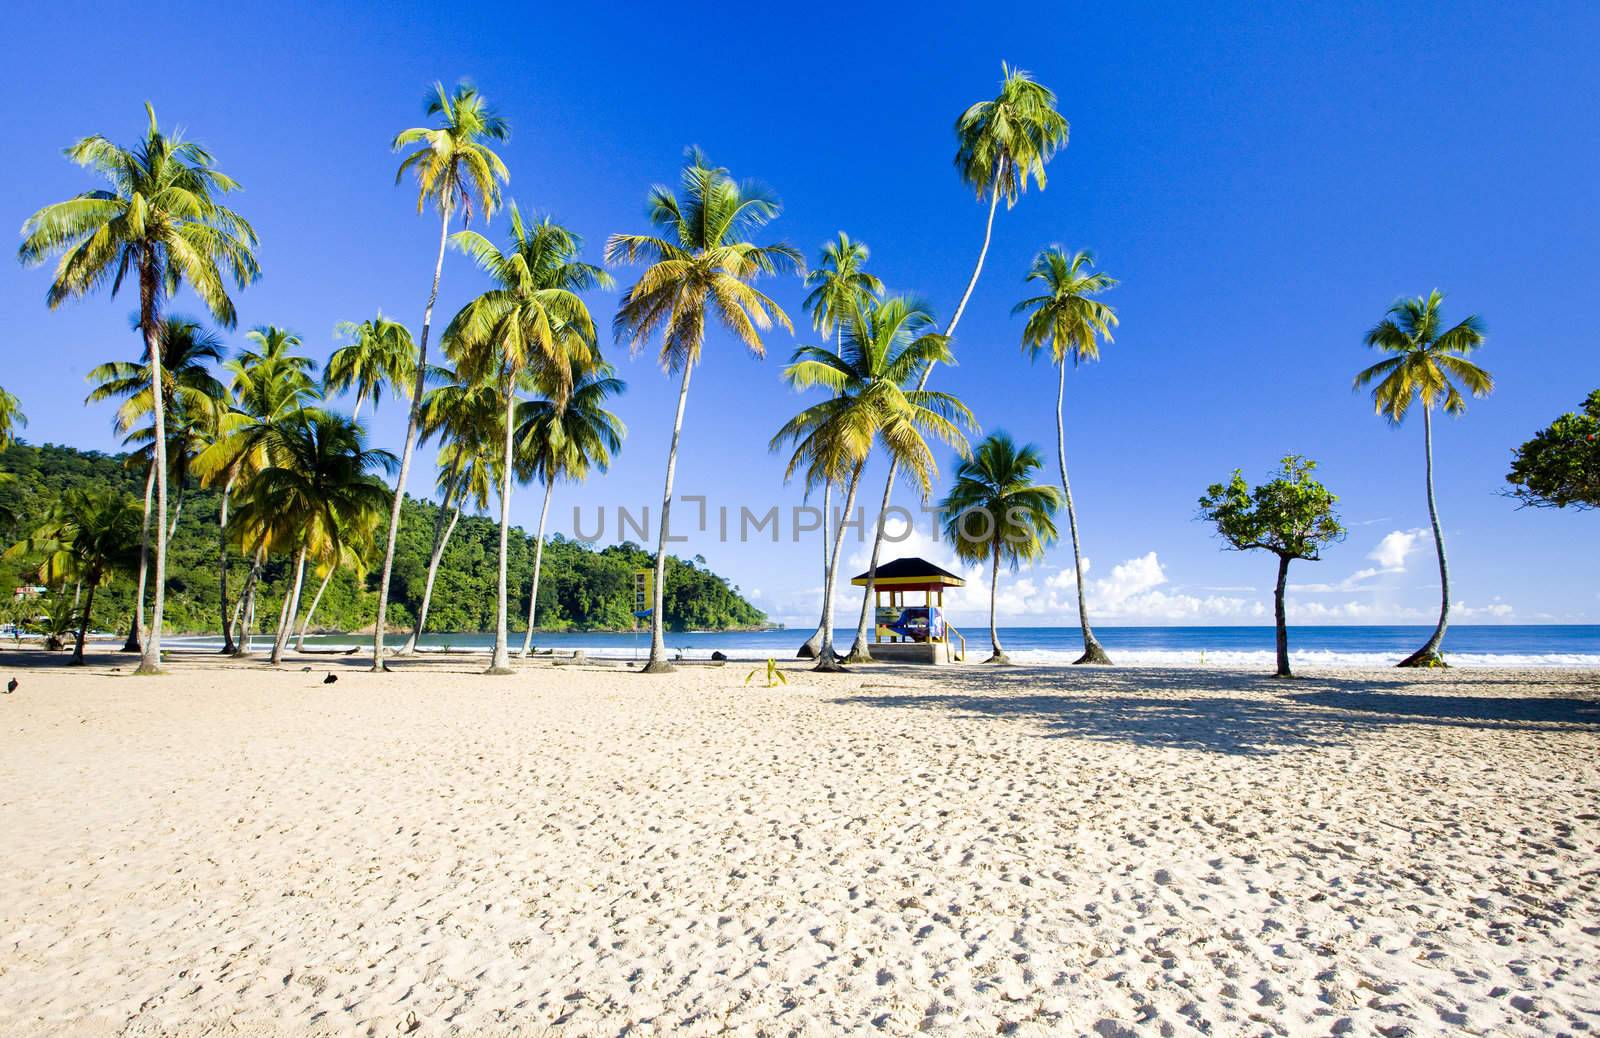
(580, 588)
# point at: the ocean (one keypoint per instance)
(1227, 647)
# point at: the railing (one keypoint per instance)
(950, 629)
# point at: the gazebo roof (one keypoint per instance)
(912, 572)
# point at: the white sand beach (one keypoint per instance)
(236, 850)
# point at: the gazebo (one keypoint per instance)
(905, 629)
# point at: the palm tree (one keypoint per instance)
(89, 536)
(185, 352)
(357, 541)
(1425, 362)
(884, 346)
(380, 353)
(1072, 322)
(556, 442)
(839, 285)
(318, 486)
(1002, 144)
(455, 170)
(465, 415)
(996, 512)
(532, 326)
(704, 264)
(11, 418)
(161, 222)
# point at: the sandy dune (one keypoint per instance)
(235, 850)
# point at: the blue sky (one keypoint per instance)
(1264, 183)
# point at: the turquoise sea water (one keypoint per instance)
(1245, 647)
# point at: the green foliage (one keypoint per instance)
(580, 588)
(1426, 360)
(1006, 142)
(995, 510)
(11, 418)
(1291, 516)
(774, 675)
(1560, 466)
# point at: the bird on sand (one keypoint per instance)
(330, 679)
(11, 686)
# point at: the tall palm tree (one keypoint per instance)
(185, 353)
(319, 484)
(466, 417)
(11, 419)
(456, 170)
(160, 221)
(702, 263)
(531, 327)
(565, 442)
(352, 549)
(1068, 319)
(90, 536)
(380, 353)
(884, 347)
(1002, 144)
(839, 285)
(1426, 361)
(996, 513)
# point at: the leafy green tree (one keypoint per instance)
(1291, 516)
(1426, 362)
(160, 221)
(456, 170)
(11, 419)
(89, 537)
(1068, 319)
(531, 327)
(1560, 466)
(565, 441)
(702, 265)
(1001, 145)
(839, 285)
(996, 513)
(380, 353)
(883, 348)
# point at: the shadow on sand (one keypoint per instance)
(1241, 714)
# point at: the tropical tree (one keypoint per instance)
(466, 416)
(839, 285)
(556, 441)
(319, 484)
(884, 347)
(1291, 516)
(352, 550)
(532, 327)
(380, 353)
(11, 419)
(996, 513)
(89, 537)
(1560, 466)
(1068, 319)
(456, 170)
(1425, 363)
(1001, 145)
(189, 392)
(702, 263)
(161, 221)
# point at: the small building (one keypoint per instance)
(905, 630)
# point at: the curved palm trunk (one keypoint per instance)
(134, 628)
(827, 659)
(859, 652)
(500, 662)
(247, 603)
(83, 622)
(538, 559)
(1428, 655)
(1092, 650)
(813, 644)
(997, 655)
(413, 422)
(1280, 617)
(291, 608)
(150, 661)
(441, 537)
(657, 664)
(177, 510)
(222, 567)
(316, 600)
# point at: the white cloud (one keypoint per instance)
(1390, 555)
